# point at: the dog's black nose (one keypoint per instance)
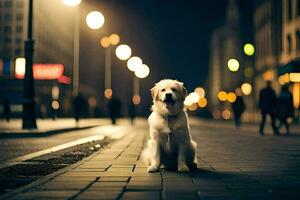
(168, 96)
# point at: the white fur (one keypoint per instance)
(170, 142)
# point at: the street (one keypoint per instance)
(233, 164)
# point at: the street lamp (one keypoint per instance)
(141, 72)
(28, 117)
(107, 42)
(133, 63)
(123, 52)
(75, 3)
(95, 20)
(246, 88)
(249, 49)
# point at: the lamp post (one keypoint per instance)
(75, 3)
(107, 42)
(141, 72)
(28, 117)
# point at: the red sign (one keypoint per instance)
(45, 71)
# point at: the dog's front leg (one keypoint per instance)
(155, 157)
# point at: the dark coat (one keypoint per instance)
(267, 100)
(285, 106)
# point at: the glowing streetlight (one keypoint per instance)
(249, 49)
(136, 99)
(71, 3)
(142, 71)
(114, 39)
(105, 42)
(194, 97)
(233, 65)
(95, 20)
(295, 77)
(202, 102)
(123, 52)
(134, 63)
(246, 88)
(108, 93)
(20, 67)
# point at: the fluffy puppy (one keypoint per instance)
(170, 142)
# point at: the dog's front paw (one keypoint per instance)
(153, 169)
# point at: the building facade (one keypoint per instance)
(53, 31)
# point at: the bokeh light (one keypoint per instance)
(246, 88)
(194, 97)
(55, 105)
(92, 102)
(200, 91)
(134, 63)
(249, 49)
(295, 77)
(231, 97)
(268, 75)
(123, 52)
(193, 107)
(142, 71)
(248, 72)
(238, 92)
(202, 102)
(114, 39)
(71, 3)
(136, 99)
(20, 66)
(222, 96)
(108, 93)
(95, 20)
(226, 114)
(233, 65)
(105, 42)
(188, 101)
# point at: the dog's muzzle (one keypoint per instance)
(169, 101)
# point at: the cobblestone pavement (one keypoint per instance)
(232, 165)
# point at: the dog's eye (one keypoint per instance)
(174, 89)
(163, 90)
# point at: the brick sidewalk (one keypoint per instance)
(232, 166)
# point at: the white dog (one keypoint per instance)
(170, 141)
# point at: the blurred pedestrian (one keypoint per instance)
(6, 110)
(79, 106)
(132, 113)
(238, 108)
(267, 104)
(114, 109)
(285, 108)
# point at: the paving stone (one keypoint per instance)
(145, 195)
(63, 186)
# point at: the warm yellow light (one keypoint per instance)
(123, 52)
(202, 102)
(71, 3)
(200, 91)
(114, 39)
(55, 92)
(108, 93)
(233, 65)
(105, 42)
(249, 49)
(222, 96)
(295, 77)
(296, 95)
(142, 71)
(268, 75)
(188, 101)
(136, 99)
(216, 114)
(281, 80)
(193, 107)
(55, 105)
(231, 97)
(134, 63)
(95, 20)
(20, 66)
(246, 88)
(286, 78)
(226, 114)
(194, 97)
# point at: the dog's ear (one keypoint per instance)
(154, 92)
(183, 90)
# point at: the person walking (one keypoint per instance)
(267, 104)
(6, 110)
(114, 109)
(238, 107)
(285, 108)
(79, 106)
(132, 113)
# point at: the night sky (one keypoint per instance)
(171, 36)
